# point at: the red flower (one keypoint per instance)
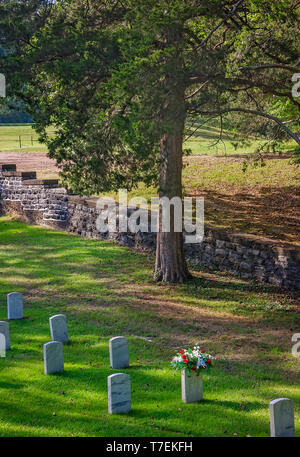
(186, 361)
(184, 356)
(208, 360)
(202, 351)
(193, 368)
(182, 351)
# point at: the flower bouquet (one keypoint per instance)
(192, 360)
(191, 363)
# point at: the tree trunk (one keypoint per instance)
(170, 265)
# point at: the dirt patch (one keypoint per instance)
(269, 207)
(39, 162)
(273, 213)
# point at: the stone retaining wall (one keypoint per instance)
(44, 202)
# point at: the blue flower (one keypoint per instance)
(201, 363)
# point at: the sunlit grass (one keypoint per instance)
(206, 140)
(276, 173)
(20, 138)
(107, 290)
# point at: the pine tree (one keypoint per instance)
(118, 78)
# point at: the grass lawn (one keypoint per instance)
(107, 290)
(204, 141)
(10, 136)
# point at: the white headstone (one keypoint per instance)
(2, 85)
(58, 328)
(2, 345)
(53, 357)
(118, 352)
(191, 387)
(15, 306)
(282, 421)
(119, 393)
(4, 330)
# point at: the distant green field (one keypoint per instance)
(23, 138)
(207, 140)
(19, 138)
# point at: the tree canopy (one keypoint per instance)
(118, 79)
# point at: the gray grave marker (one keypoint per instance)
(2, 345)
(53, 357)
(58, 328)
(15, 306)
(2, 85)
(4, 330)
(191, 387)
(119, 393)
(282, 418)
(118, 352)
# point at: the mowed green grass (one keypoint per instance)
(10, 136)
(199, 175)
(107, 290)
(205, 141)
(10, 140)
(275, 174)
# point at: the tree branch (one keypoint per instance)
(261, 67)
(229, 15)
(256, 113)
(197, 90)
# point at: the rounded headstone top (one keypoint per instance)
(120, 376)
(58, 315)
(50, 343)
(118, 338)
(277, 400)
(4, 324)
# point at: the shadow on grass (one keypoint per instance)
(64, 413)
(102, 289)
(269, 212)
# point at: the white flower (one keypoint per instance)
(177, 359)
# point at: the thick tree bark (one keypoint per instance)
(170, 265)
(170, 262)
